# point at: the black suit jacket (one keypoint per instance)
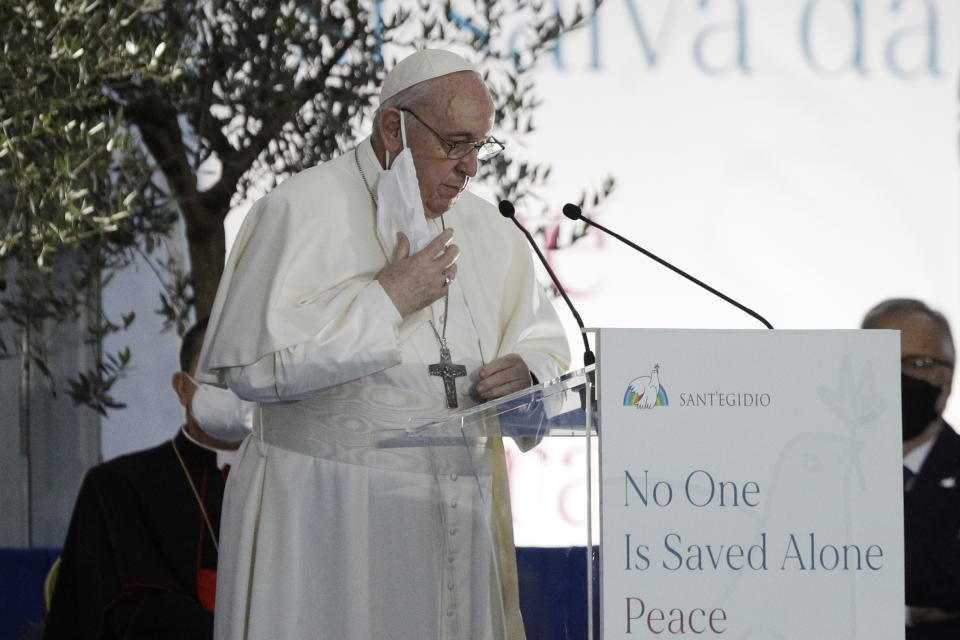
(931, 510)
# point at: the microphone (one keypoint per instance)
(507, 211)
(573, 212)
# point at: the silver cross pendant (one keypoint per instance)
(449, 371)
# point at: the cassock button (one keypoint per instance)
(450, 612)
(451, 559)
(453, 504)
(453, 531)
(449, 586)
(453, 477)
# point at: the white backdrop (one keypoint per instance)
(806, 193)
(799, 155)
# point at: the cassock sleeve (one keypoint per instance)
(300, 309)
(160, 615)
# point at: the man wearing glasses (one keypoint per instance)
(349, 315)
(931, 461)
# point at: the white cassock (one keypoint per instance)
(326, 534)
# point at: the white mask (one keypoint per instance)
(220, 413)
(399, 206)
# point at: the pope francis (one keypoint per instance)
(362, 297)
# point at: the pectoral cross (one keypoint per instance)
(449, 371)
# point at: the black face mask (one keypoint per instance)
(918, 400)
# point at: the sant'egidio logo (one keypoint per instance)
(646, 392)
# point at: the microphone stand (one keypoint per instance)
(507, 211)
(573, 212)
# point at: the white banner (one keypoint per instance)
(799, 155)
(751, 484)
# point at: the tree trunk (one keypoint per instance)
(203, 213)
(207, 249)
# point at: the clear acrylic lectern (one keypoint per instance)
(476, 580)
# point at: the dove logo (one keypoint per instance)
(646, 392)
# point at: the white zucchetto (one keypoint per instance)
(419, 67)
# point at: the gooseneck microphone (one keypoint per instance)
(573, 212)
(507, 211)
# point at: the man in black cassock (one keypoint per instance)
(140, 557)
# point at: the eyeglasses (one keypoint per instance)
(924, 362)
(485, 149)
(925, 366)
